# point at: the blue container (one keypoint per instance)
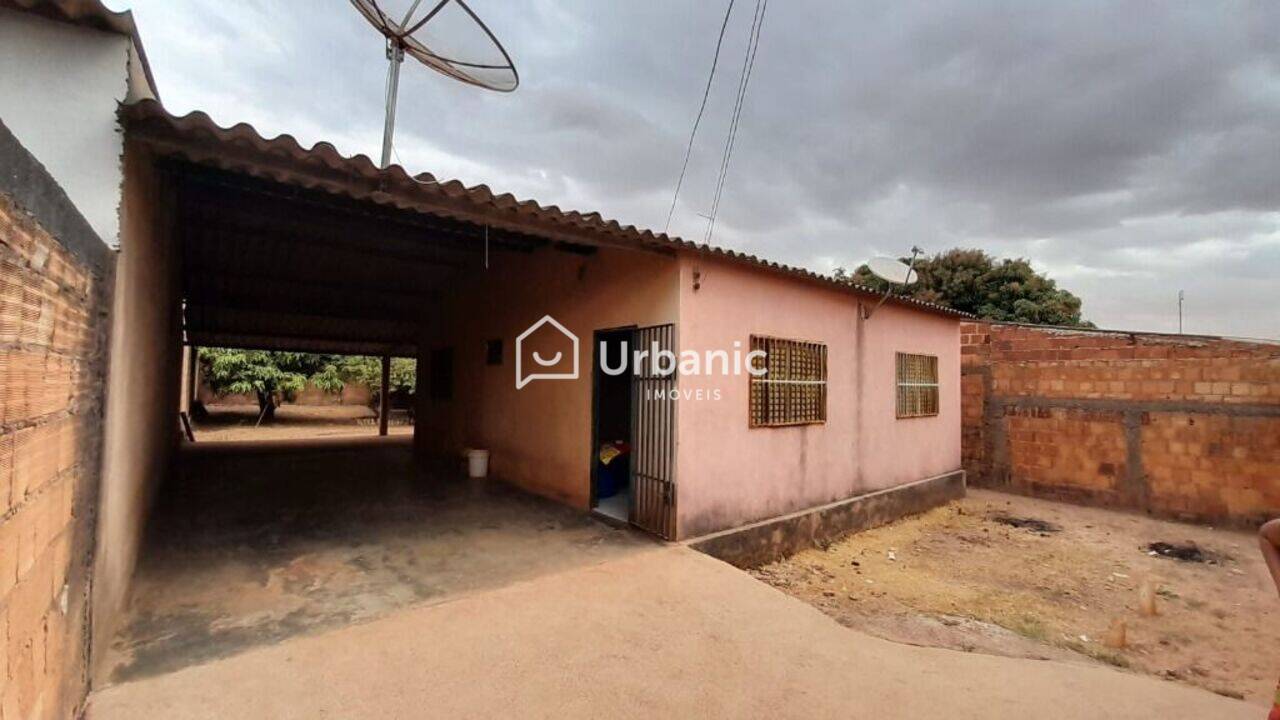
(612, 478)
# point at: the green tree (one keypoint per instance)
(269, 376)
(977, 283)
(273, 377)
(366, 370)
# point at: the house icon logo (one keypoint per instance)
(538, 343)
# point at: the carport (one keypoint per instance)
(230, 239)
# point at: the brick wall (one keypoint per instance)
(53, 296)
(1182, 426)
(352, 394)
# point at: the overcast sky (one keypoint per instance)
(1128, 149)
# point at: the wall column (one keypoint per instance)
(384, 405)
(184, 399)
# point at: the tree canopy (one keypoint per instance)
(994, 289)
(367, 370)
(272, 376)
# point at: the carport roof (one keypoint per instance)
(196, 138)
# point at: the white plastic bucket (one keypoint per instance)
(477, 463)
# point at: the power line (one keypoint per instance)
(715, 60)
(748, 64)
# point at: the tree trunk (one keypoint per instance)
(266, 406)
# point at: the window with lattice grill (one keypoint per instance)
(793, 389)
(917, 385)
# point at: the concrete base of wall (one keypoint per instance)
(770, 540)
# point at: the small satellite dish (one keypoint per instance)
(446, 36)
(892, 270)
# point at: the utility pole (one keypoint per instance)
(1180, 296)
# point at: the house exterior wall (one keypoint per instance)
(62, 106)
(55, 285)
(1182, 426)
(730, 474)
(143, 383)
(539, 436)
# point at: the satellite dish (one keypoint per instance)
(446, 36)
(891, 270)
(894, 272)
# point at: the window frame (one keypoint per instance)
(783, 415)
(899, 385)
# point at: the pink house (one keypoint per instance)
(759, 408)
(703, 457)
(837, 421)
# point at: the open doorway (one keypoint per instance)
(240, 395)
(611, 459)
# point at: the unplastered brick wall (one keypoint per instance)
(52, 341)
(1181, 426)
(351, 394)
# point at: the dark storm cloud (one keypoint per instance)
(1129, 148)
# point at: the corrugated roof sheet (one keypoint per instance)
(241, 148)
(91, 14)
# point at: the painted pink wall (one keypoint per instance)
(730, 474)
(539, 436)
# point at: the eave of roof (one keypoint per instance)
(91, 14)
(196, 138)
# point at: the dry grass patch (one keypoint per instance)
(976, 575)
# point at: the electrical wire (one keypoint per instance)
(735, 115)
(706, 93)
(748, 65)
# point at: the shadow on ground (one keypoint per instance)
(250, 545)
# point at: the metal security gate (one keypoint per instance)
(653, 432)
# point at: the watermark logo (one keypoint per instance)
(547, 351)
(660, 361)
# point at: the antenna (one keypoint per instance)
(894, 272)
(447, 37)
(1180, 298)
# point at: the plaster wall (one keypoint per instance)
(730, 474)
(143, 385)
(62, 106)
(539, 436)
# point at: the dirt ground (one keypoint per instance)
(292, 422)
(959, 577)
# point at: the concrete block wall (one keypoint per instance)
(1180, 426)
(53, 296)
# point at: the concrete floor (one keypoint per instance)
(305, 580)
(256, 543)
(654, 632)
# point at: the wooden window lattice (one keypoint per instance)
(793, 390)
(917, 379)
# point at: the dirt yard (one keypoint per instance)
(292, 422)
(977, 576)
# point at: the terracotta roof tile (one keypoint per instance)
(198, 139)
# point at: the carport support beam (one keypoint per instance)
(384, 403)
